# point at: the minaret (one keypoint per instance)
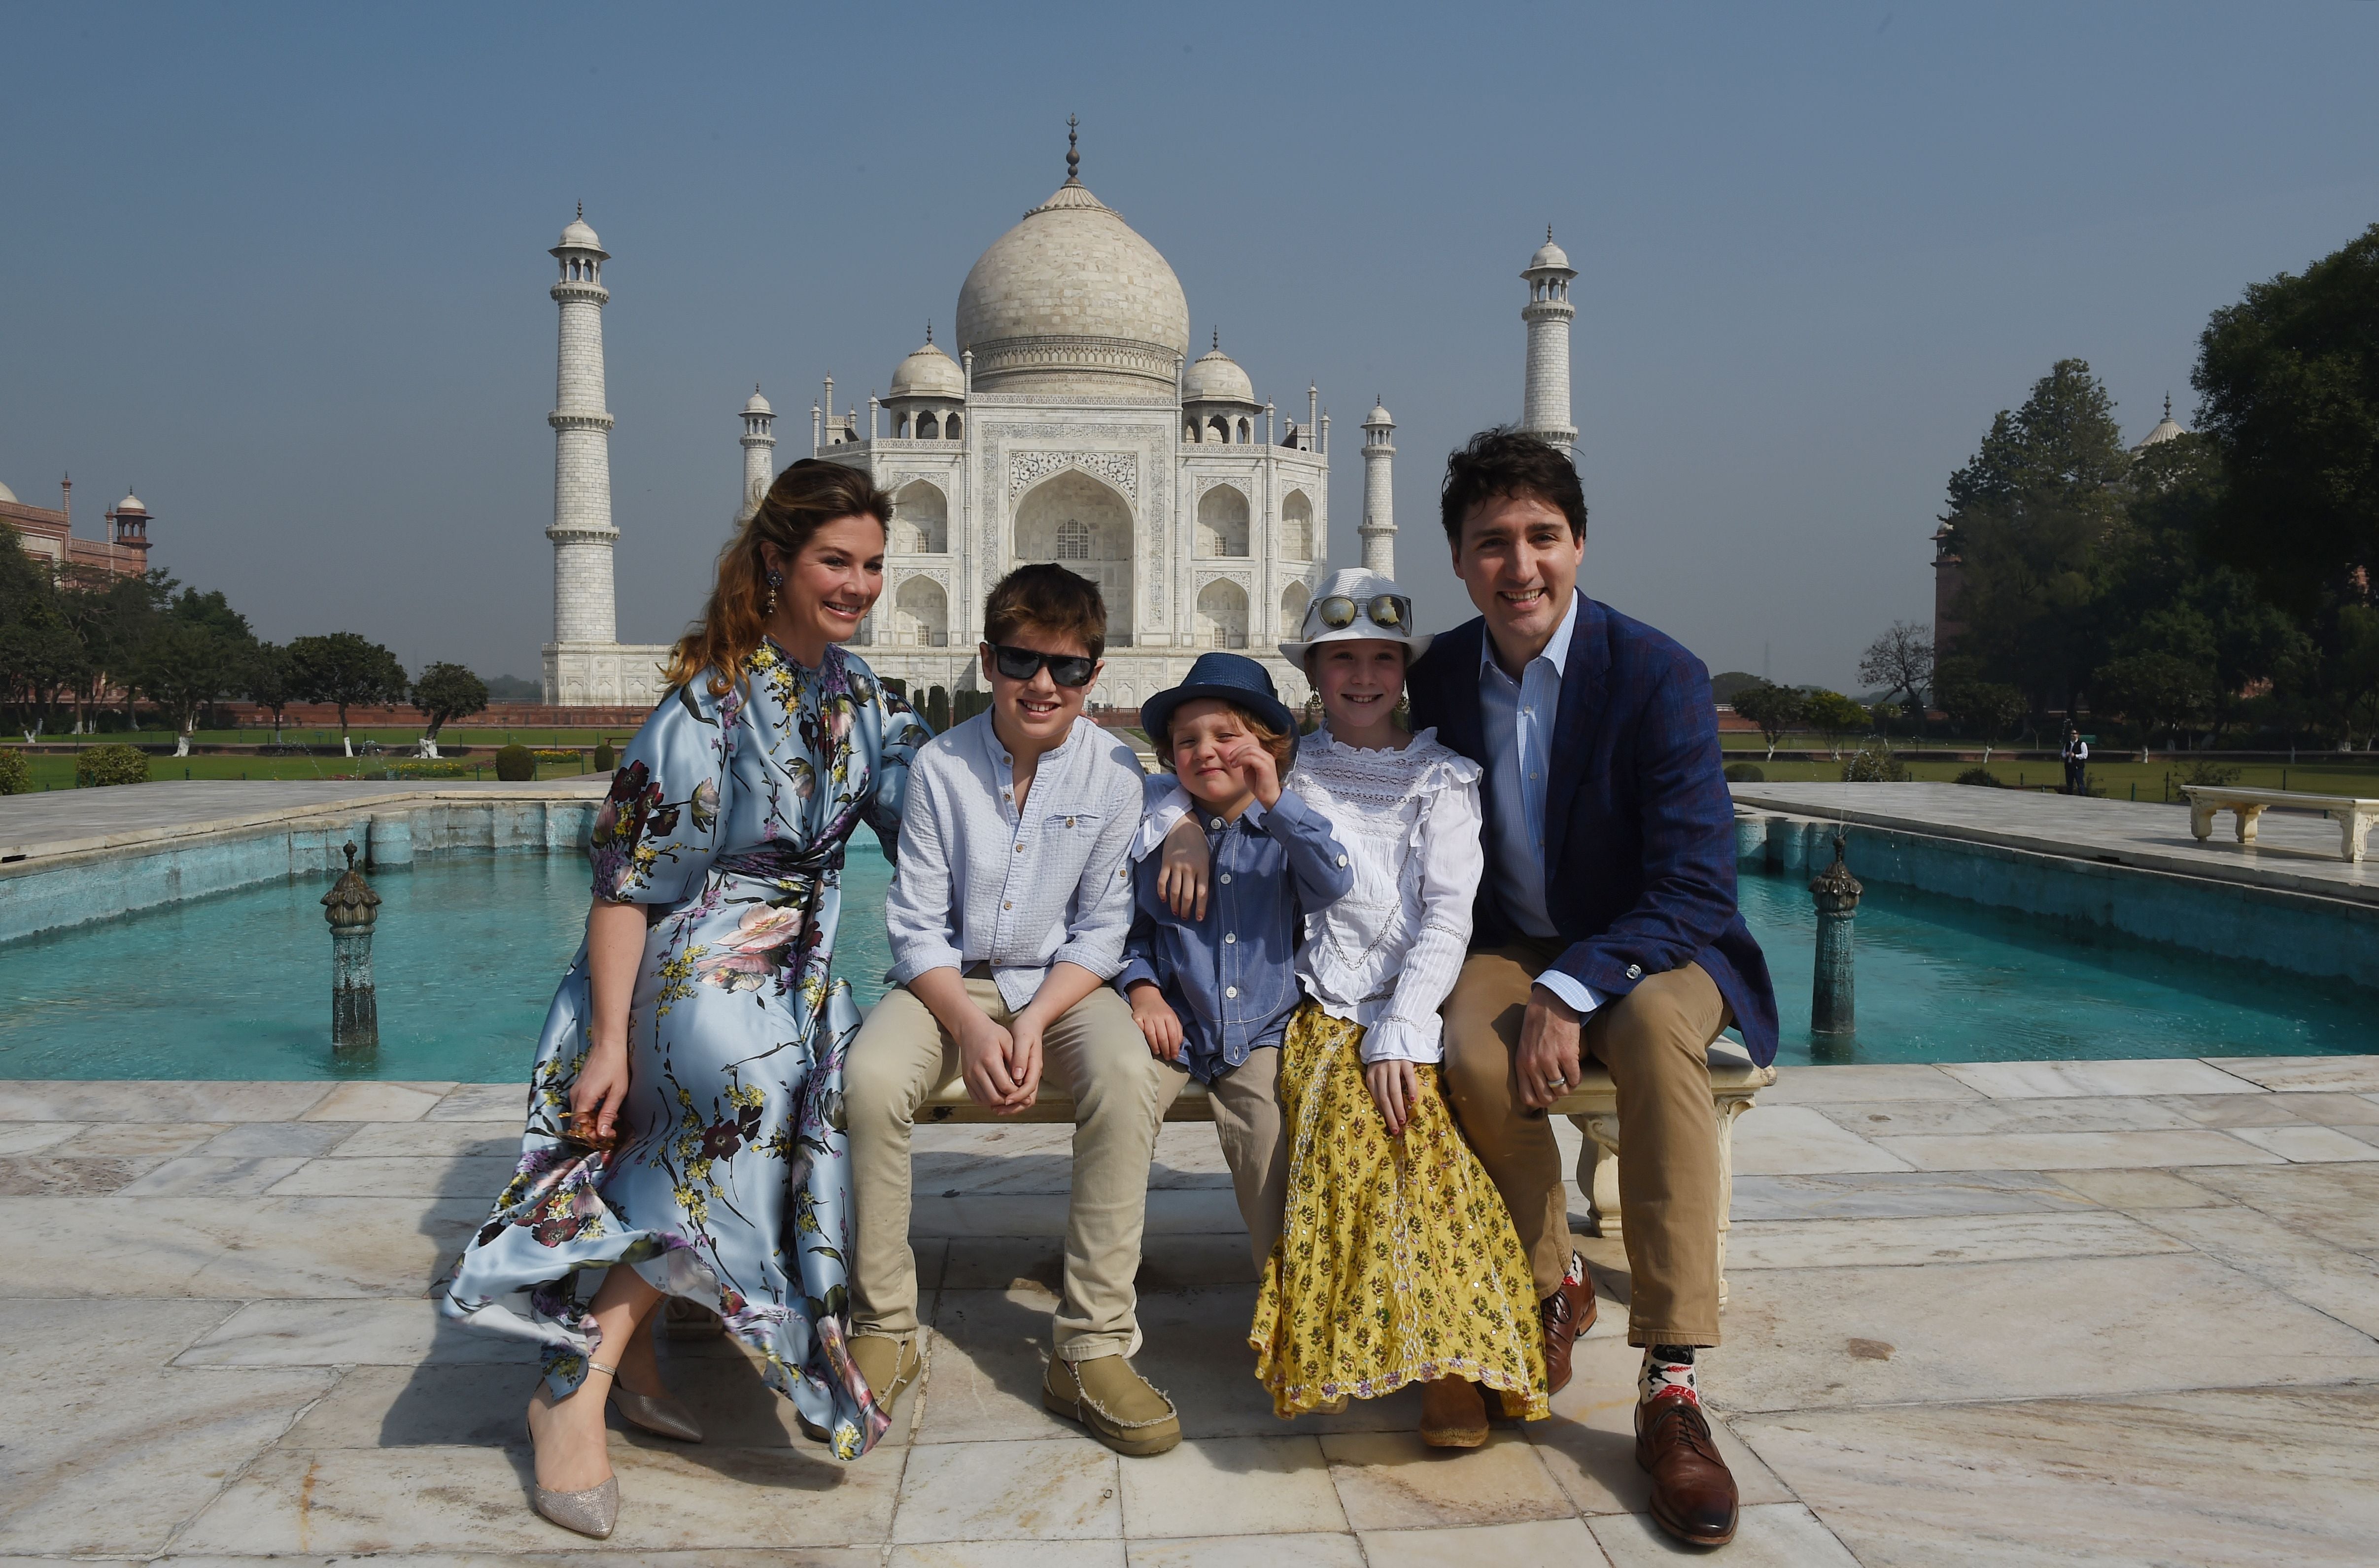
(1378, 527)
(583, 610)
(759, 441)
(1544, 408)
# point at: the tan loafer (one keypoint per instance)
(1121, 1408)
(1453, 1414)
(889, 1365)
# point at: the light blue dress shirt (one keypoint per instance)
(1519, 717)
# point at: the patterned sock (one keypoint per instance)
(1576, 1272)
(1668, 1374)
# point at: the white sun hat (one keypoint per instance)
(1345, 608)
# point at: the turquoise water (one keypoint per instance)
(467, 953)
(469, 948)
(1943, 980)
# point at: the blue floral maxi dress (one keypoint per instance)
(730, 1185)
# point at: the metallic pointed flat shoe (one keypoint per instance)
(658, 1414)
(590, 1513)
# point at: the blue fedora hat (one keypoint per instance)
(1226, 677)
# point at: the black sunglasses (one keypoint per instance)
(1024, 664)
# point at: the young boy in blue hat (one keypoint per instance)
(1211, 983)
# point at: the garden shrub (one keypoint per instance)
(426, 767)
(604, 761)
(15, 773)
(515, 763)
(1745, 773)
(2213, 775)
(1983, 776)
(111, 764)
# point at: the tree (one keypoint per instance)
(40, 653)
(2288, 380)
(1901, 661)
(271, 682)
(2354, 683)
(1984, 708)
(2027, 518)
(344, 668)
(1774, 708)
(1834, 715)
(197, 653)
(2154, 691)
(114, 616)
(1727, 683)
(445, 691)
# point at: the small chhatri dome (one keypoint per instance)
(1216, 378)
(758, 405)
(928, 372)
(7, 494)
(2164, 430)
(578, 237)
(129, 504)
(1548, 254)
(1380, 414)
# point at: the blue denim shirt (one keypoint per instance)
(1232, 978)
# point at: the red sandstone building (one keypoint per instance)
(49, 536)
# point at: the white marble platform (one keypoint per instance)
(2295, 851)
(61, 822)
(2106, 1312)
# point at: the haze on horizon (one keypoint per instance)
(284, 269)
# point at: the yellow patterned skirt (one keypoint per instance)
(1397, 1262)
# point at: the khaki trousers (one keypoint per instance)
(1654, 1041)
(1255, 1145)
(1097, 1055)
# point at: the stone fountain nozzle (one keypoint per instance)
(1833, 1007)
(351, 907)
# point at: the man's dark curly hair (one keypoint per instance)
(1505, 462)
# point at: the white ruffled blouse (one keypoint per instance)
(1387, 955)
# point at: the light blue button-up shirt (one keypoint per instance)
(1519, 717)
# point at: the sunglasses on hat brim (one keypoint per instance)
(1390, 613)
(1024, 664)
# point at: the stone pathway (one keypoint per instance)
(59, 821)
(2111, 1312)
(2294, 849)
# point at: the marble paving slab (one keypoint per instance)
(2338, 1203)
(2077, 1151)
(1798, 1140)
(2223, 1479)
(1969, 1238)
(2026, 1080)
(2297, 1074)
(1857, 1194)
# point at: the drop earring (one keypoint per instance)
(776, 581)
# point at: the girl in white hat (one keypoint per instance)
(1397, 1262)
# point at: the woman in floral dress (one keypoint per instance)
(685, 1114)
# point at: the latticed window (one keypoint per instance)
(1073, 540)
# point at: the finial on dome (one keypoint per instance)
(582, 212)
(929, 331)
(1073, 157)
(1548, 234)
(1218, 340)
(2167, 405)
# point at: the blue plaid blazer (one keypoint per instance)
(1639, 828)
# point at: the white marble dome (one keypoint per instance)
(928, 372)
(1216, 378)
(758, 404)
(130, 503)
(7, 494)
(1072, 301)
(578, 237)
(1549, 255)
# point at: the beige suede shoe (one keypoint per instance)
(889, 1365)
(1121, 1408)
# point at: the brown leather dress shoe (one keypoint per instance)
(1692, 1491)
(1568, 1313)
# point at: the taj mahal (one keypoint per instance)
(1073, 427)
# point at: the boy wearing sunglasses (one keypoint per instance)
(1007, 916)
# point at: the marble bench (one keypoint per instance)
(1594, 1104)
(2354, 816)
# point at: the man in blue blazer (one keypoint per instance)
(1606, 925)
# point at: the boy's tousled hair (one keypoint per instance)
(1047, 598)
(1282, 746)
(1505, 462)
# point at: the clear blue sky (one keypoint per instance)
(285, 267)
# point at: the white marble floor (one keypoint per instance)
(2294, 849)
(60, 822)
(2012, 1313)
